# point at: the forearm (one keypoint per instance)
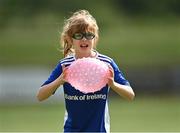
(47, 90)
(123, 90)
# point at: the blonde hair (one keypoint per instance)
(80, 21)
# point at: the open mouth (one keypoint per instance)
(84, 45)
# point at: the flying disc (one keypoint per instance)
(88, 75)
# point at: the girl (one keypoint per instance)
(84, 112)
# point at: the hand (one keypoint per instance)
(111, 77)
(63, 75)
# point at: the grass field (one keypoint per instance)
(143, 114)
(129, 42)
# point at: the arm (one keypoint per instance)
(46, 91)
(123, 90)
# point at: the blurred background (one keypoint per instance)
(141, 36)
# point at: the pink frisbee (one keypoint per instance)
(88, 75)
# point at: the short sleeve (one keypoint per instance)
(54, 74)
(118, 75)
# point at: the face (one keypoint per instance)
(83, 42)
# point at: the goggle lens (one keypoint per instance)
(79, 36)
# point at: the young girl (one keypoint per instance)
(84, 112)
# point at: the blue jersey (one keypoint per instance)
(86, 112)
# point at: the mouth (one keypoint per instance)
(84, 45)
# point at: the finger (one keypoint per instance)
(65, 72)
(109, 66)
(63, 67)
(111, 70)
(110, 81)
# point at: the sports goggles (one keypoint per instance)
(80, 36)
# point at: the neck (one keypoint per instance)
(81, 55)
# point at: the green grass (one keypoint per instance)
(148, 44)
(146, 114)
(132, 43)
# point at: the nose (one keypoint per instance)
(84, 38)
